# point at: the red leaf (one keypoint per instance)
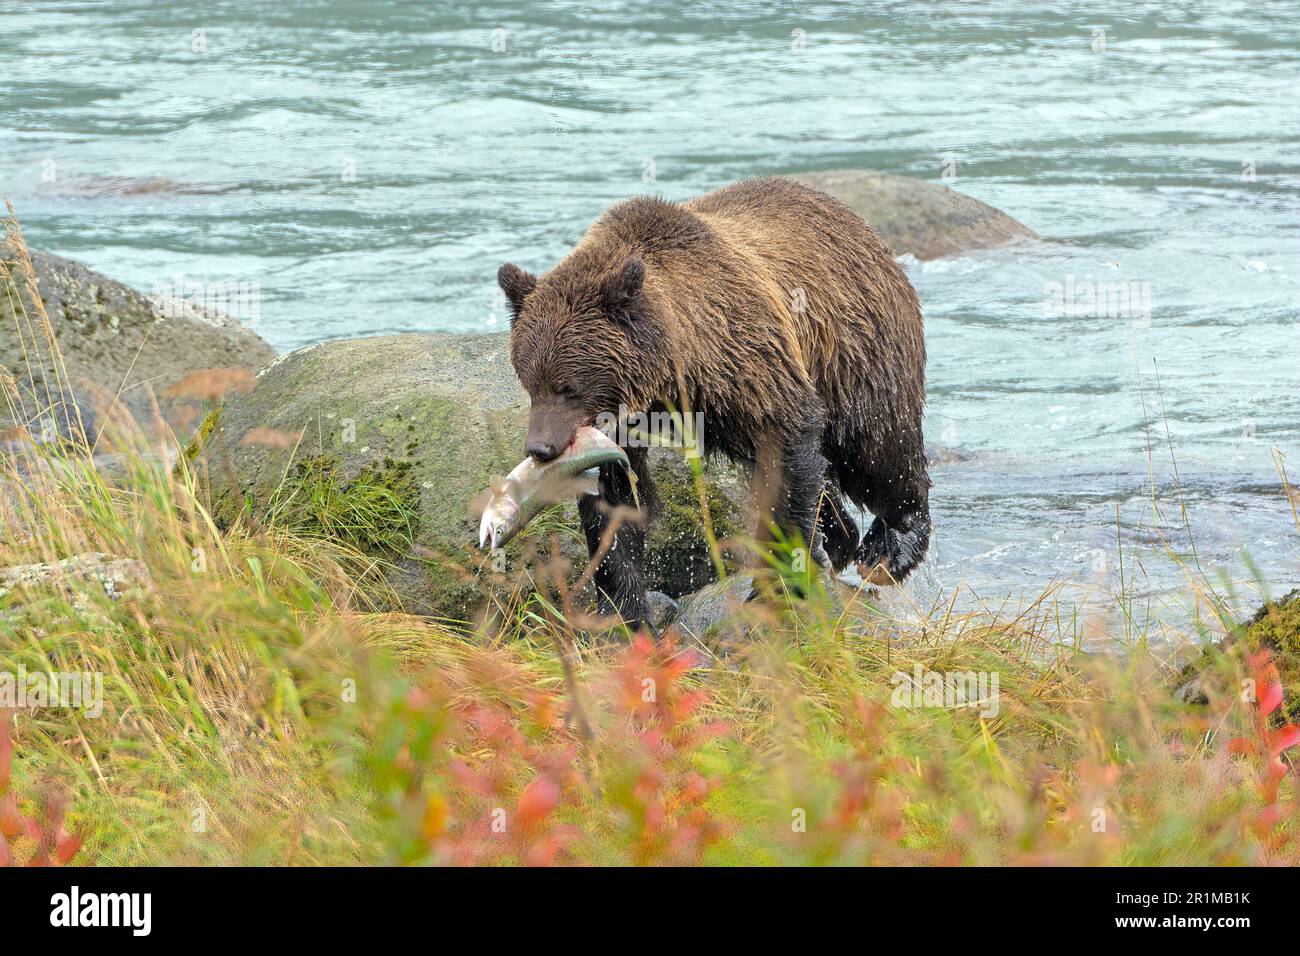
(542, 853)
(1283, 738)
(1269, 817)
(1240, 745)
(66, 847)
(475, 782)
(1271, 698)
(536, 802)
(642, 646)
(1275, 771)
(1268, 685)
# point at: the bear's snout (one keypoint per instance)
(541, 451)
(551, 427)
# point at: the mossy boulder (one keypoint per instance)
(115, 342)
(386, 443)
(1274, 628)
(923, 219)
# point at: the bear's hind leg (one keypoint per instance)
(896, 489)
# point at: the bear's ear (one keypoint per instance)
(516, 284)
(621, 291)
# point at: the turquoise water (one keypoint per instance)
(369, 165)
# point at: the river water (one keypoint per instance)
(364, 167)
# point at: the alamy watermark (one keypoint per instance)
(1085, 297)
(946, 689)
(73, 690)
(178, 297)
(660, 429)
(75, 908)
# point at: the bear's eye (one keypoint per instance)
(568, 391)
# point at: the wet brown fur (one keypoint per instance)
(777, 312)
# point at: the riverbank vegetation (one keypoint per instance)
(261, 706)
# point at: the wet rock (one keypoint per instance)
(937, 456)
(412, 429)
(704, 616)
(915, 217)
(1192, 692)
(662, 609)
(104, 187)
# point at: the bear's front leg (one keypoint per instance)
(619, 578)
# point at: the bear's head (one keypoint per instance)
(583, 343)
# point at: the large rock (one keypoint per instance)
(924, 219)
(387, 442)
(113, 340)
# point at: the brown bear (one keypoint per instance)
(773, 310)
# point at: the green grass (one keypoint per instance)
(374, 512)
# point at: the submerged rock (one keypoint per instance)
(102, 187)
(918, 218)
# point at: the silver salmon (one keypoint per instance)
(530, 487)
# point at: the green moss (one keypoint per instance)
(454, 588)
(200, 439)
(680, 560)
(1277, 626)
(682, 514)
